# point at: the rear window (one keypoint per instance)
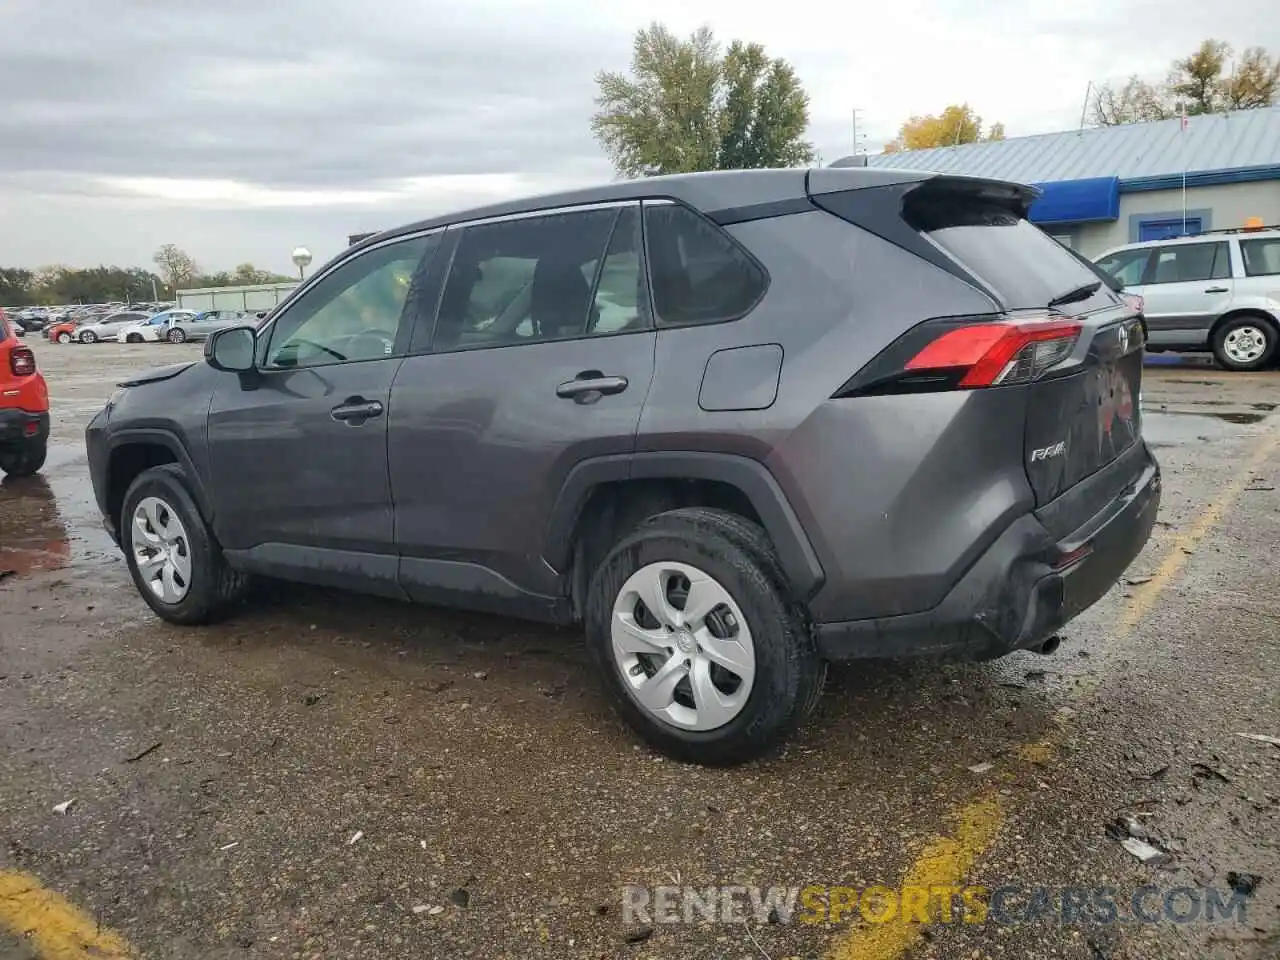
(1018, 261)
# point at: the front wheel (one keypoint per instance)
(689, 626)
(64, 337)
(88, 336)
(133, 338)
(24, 458)
(173, 558)
(1245, 343)
(177, 335)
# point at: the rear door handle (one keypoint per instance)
(1216, 290)
(356, 410)
(589, 386)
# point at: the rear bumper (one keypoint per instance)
(17, 426)
(1019, 592)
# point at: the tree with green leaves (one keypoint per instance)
(686, 107)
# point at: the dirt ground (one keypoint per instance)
(329, 776)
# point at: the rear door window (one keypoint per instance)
(1261, 257)
(1191, 262)
(697, 272)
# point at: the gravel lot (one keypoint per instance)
(219, 775)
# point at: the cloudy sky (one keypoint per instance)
(240, 128)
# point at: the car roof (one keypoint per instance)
(714, 191)
(1208, 237)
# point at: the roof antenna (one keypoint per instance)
(1084, 109)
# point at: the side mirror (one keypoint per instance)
(231, 349)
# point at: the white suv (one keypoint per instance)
(1218, 291)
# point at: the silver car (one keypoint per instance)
(202, 325)
(109, 327)
(1218, 291)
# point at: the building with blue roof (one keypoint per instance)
(1106, 186)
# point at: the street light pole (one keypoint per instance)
(301, 257)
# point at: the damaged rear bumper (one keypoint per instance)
(1023, 589)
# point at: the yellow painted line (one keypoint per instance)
(1145, 595)
(53, 926)
(943, 863)
(947, 860)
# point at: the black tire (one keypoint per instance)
(215, 588)
(24, 458)
(789, 673)
(1259, 323)
(133, 338)
(177, 335)
(88, 336)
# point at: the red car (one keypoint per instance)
(24, 406)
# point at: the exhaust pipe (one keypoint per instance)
(1049, 646)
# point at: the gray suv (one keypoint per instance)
(737, 424)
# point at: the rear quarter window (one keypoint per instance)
(698, 273)
(1261, 257)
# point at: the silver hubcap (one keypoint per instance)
(1244, 344)
(161, 550)
(682, 646)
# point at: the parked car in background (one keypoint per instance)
(743, 423)
(24, 406)
(1217, 291)
(63, 332)
(202, 325)
(154, 328)
(108, 327)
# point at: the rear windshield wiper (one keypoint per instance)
(1076, 294)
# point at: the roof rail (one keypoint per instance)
(1257, 229)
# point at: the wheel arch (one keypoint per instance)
(133, 451)
(655, 478)
(1238, 313)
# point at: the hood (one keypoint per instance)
(158, 374)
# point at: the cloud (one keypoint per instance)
(239, 129)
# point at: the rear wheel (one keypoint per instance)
(173, 558)
(1245, 343)
(88, 336)
(23, 459)
(177, 335)
(689, 626)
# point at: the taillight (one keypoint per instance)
(22, 361)
(967, 353)
(990, 354)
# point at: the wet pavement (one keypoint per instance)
(334, 776)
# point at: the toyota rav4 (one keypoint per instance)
(737, 424)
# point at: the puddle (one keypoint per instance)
(1263, 406)
(1170, 428)
(1224, 415)
(51, 521)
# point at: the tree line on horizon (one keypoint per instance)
(687, 104)
(177, 270)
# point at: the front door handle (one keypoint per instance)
(356, 410)
(1216, 290)
(589, 386)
